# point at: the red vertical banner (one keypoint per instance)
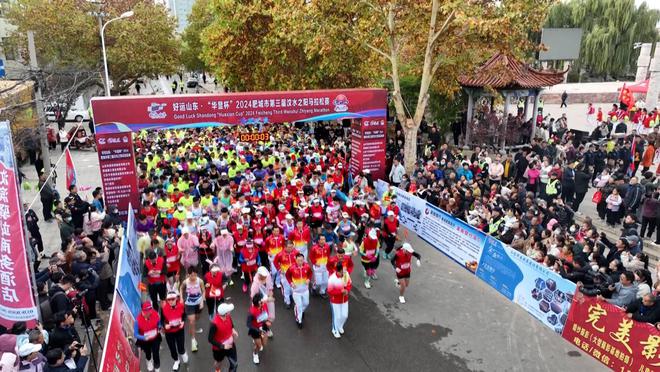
(71, 176)
(605, 332)
(118, 170)
(119, 354)
(17, 301)
(373, 146)
(355, 165)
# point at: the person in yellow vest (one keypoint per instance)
(180, 213)
(553, 188)
(496, 223)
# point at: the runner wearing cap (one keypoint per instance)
(369, 255)
(282, 262)
(319, 257)
(147, 334)
(215, 289)
(389, 230)
(173, 316)
(339, 286)
(193, 288)
(258, 324)
(263, 283)
(299, 275)
(172, 258)
(345, 227)
(401, 262)
(249, 261)
(222, 337)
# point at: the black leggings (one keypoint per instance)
(155, 291)
(389, 243)
(212, 304)
(176, 343)
(152, 347)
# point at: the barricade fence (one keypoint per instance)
(598, 328)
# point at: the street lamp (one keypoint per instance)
(105, 58)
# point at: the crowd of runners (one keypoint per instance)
(285, 219)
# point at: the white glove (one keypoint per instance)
(419, 263)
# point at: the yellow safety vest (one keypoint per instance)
(551, 187)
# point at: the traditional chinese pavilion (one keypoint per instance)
(511, 78)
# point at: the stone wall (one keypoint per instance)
(611, 97)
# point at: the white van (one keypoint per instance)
(77, 112)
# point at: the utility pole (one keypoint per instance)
(41, 113)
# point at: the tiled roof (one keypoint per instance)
(506, 72)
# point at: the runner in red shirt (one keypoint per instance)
(319, 255)
(173, 316)
(147, 333)
(249, 261)
(401, 262)
(339, 286)
(172, 258)
(221, 337)
(215, 289)
(258, 324)
(156, 278)
(342, 258)
(299, 275)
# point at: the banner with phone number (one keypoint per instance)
(605, 332)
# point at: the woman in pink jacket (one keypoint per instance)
(224, 248)
(188, 246)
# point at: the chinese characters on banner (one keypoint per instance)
(120, 354)
(603, 331)
(16, 298)
(117, 162)
(117, 117)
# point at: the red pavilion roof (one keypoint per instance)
(506, 72)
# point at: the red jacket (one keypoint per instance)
(284, 260)
(174, 317)
(214, 290)
(318, 255)
(148, 327)
(274, 244)
(336, 286)
(156, 271)
(299, 275)
(172, 259)
(347, 263)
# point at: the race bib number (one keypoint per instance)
(151, 334)
(405, 266)
(262, 317)
(155, 274)
(171, 259)
(228, 342)
(216, 292)
(251, 262)
(175, 323)
(370, 252)
(317, 215)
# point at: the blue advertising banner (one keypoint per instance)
(540, 291)
(129, 272)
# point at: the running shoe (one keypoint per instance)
(255, 358)
(341, 331)
(402, 299)
(367, 285)
(336, 334)
(231, 282)
(193, 345)
(261, 348)
(175, 367)
(150, 365)
(184, 358)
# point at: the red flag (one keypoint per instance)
(71, 177)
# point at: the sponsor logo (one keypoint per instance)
(157, 110)
(101, 141)
(341, 103)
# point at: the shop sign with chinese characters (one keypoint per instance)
(605, 332)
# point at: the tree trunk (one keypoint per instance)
(410, 147)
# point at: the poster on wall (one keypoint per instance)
(605, 332)
(543, 293)
(16, 299)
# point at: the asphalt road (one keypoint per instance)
(451, 322)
